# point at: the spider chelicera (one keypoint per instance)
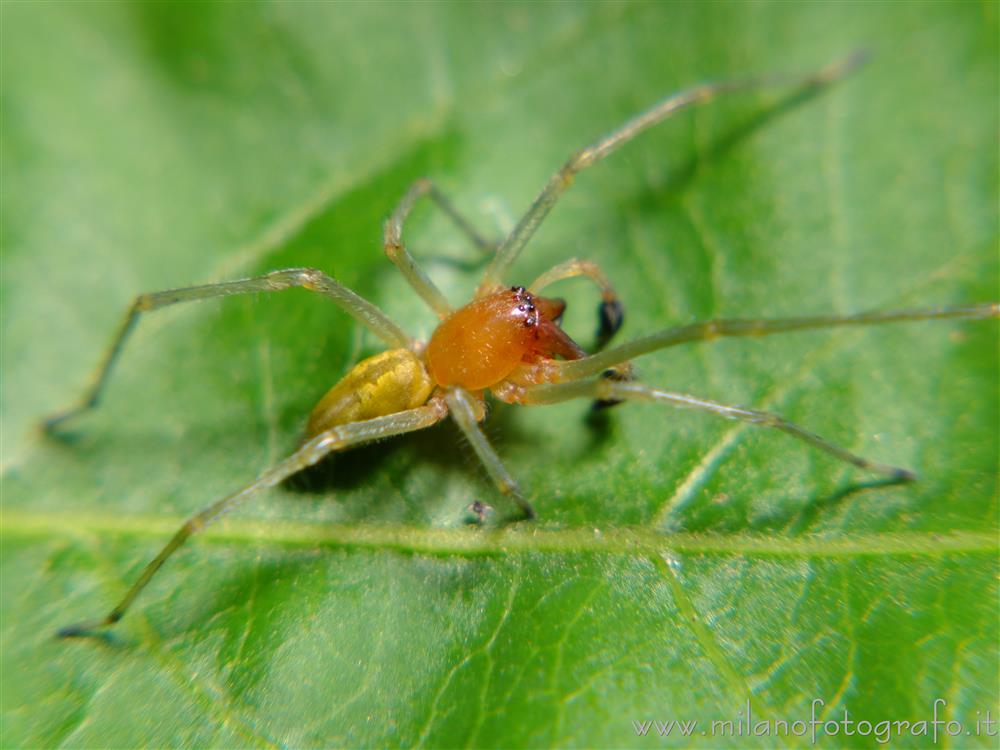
(507, 341)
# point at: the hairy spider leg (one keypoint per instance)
(393, 242)
(611, 390)
(713, 329)
(585, 157)
(308, 278)
(335, 439)
(467, 411)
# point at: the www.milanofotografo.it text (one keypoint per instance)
(818, 725)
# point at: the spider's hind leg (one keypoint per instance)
(589, 155)
(603, 388)
(335, 439)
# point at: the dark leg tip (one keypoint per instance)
(74, 631)
(51, 424)
(621, 374)
(89, 628)
(611, 315)
(86, 630)
(904, 475)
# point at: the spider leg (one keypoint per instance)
(398, 254)
(467, 413)
(713, 329)
(603, 388)
(335, 439)
(308, 278)
(699, 94)
(610, 313)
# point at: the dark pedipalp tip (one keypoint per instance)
(611, 315)
(905, 475)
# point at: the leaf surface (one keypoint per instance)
(683, 568)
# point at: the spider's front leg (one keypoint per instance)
(551, 381)
(589, 155)
(710, 330)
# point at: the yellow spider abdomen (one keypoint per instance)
(387, 383)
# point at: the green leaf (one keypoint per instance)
(683, 568)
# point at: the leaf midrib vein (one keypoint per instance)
(465, 542)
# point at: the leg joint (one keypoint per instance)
(580, 160)
(307, 278)
(422, 185)
(143, 303)
(766, 419)
(393, 246)
(508, 487)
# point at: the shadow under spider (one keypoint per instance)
(444, 448)
(733, 135)
(347, 470)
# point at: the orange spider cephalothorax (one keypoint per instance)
(480, 344)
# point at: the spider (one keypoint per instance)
(507, 340)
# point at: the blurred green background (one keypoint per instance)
(682, 565)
